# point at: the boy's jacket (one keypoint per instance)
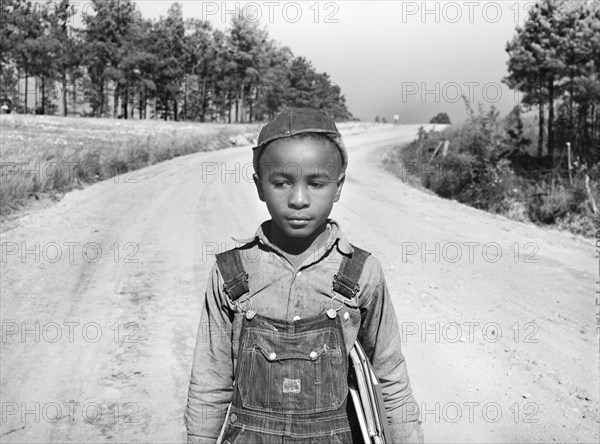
(280, 289)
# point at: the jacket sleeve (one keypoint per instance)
(380, 337)
(211, 383)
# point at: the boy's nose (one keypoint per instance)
(299, 197)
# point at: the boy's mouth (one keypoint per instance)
(298, 222)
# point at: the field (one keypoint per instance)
(46, 156)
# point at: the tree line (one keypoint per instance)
(554, 59)
(175, 68)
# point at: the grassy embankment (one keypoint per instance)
(483, 169)
(45, 157)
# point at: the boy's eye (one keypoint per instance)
(317, 184)
(279, 183)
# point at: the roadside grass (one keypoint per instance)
(46, 156)
(519, 188)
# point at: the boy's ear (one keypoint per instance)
(258, 183)
(339, 185)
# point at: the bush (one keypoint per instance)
(549, 204)
(441, 118)
(489, 167)
(555, 201)
(452, 176)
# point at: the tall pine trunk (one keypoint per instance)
(204, 100)
(540, 147)
(141, 101)
(185, 99)
(229, 111)
(551, 117)
(116, 93)
(175, 109)
(100, 109)
(26, 90)
(242, 103)
(74, 84)
(64, 93)
(43, 95)
(166, 112)
(250, 104)
(132, 102)
(595, 118)
(125, 99)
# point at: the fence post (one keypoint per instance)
(446, 147)
(590, 195)
(437, 148)
(569, 162)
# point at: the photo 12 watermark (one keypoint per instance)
(71, 412)
(465, 11)
(71, 252)
(271, 12)
(469, 332)
(65, 172)
(236, 172)
(436, 171)
(469, 252)
(454, 92)
(69, 332)
(470, 412)
(209, 251)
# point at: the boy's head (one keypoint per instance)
(300, 164)
(295, 121)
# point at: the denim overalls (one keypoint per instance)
(291, 381)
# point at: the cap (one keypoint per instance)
(297, 121)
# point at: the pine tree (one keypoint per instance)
(553, 58)
(105, 35)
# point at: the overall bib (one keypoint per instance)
(291, 378)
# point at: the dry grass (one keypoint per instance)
(48, 156)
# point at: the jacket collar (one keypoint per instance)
(336, 237)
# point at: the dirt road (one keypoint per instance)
(101, 302)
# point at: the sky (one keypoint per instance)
(412, 59)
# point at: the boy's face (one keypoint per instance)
(300, 180)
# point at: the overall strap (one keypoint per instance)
(234, 276)
(345, 281)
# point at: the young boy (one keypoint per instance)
(282, 312)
